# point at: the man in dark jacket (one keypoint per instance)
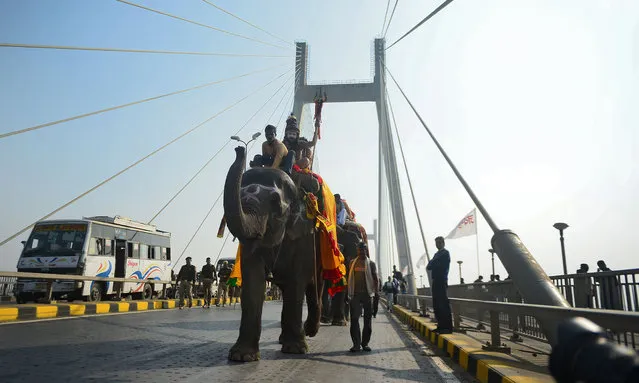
(222, 289)
(186, 280)
(208, 276)
(439, 267)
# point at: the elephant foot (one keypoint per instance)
(339, 322)
(281, 340)
(297, 347)
(325, 320)
(240, 353)
(311, 328)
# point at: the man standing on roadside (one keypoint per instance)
(208, 276)
(362, 286)
(186, 279)
(439, 267)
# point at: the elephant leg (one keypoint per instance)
(292, 338)
(312, 324)
(338, 310)
(246, 348)
(283, 318)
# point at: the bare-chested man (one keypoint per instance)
(274, 152)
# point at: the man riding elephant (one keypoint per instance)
(302, 147)
(274, 153)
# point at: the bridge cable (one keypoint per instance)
(138, 161)
(461, 179)
(36, 127)
(385, 16)
(410, 183)
(198, 229)
(279, 122)
(246, 22)
(391, 18)
(433, 13)
(220, 195)
(228, 234)
(214, 155)
(65, 47)
(200, 24)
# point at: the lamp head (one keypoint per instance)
(236, 138)
(256, 135)
(491, 251)
(560, 226)
(460, 262)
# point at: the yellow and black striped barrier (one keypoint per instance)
(10, 313)
(486, 366)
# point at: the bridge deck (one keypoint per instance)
(192, 345)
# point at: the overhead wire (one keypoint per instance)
(226, 238)
(200, 24)
(125, 50)
(410, 182)
(139, 161)
(433, 13)
(246, 22)
(385, 15)
(198, 229)
(215, 155)
(391, 18)
(77, 117)
(461, 179)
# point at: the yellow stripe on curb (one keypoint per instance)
(158, 305)
(9, 313)
(46, 312)
(102, 308)
(75, 310)
(142, 306)
(123, 307)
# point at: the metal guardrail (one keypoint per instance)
(8, 280)
(623, 325)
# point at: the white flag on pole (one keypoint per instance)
(421, 262)
(467, 226)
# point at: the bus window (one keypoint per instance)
(108, 247)
(144, 251)
(156, 252)
(55, 239)
(93, 246)
(136, 250)
(167, 251)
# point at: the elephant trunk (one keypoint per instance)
(241, 225)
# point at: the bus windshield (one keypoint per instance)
(55, 239)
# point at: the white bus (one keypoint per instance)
(96, 246)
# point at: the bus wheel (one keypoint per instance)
(95, 295)
(148, 292)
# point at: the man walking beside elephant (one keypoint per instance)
(362, 286)
(222, 289)
(186, 279)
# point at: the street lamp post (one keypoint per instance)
(253, 138)
(460, 273)
(421, 280)
(492, 258)
(561, 227)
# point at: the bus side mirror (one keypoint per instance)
(24, 243)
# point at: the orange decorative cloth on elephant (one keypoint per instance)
(334, 270)
(235, 279)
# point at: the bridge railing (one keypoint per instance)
(612, 290)
(9, 280)
(521, 319)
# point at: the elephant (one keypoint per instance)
(348, 237)
(265, 211)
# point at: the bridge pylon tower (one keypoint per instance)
(374, 91)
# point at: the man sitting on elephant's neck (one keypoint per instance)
(274, 152)
(301, 146)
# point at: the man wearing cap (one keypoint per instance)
(362, 287)
(186, 279)
(208, 276)
(222, 289)
(301, 146)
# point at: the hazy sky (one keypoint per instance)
(535, 102)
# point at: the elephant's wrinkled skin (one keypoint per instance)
(265, 211)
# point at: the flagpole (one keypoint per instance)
(477, 241)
